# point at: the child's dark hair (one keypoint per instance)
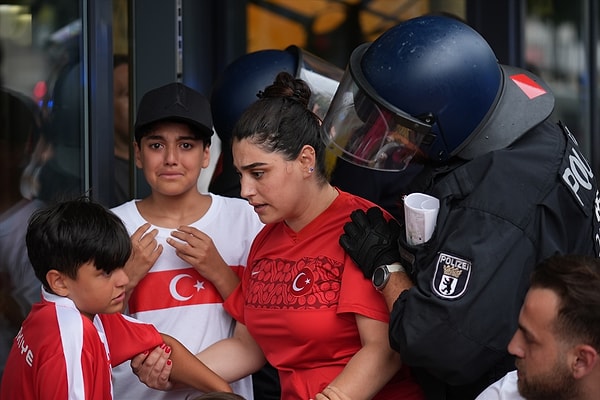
(281, 122)
(68, 234)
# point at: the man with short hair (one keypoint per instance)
(557, 344)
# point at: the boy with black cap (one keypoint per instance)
(187, 245)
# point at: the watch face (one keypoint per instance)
(378, 277)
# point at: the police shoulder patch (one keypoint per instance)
(451, 276)
(576, 173)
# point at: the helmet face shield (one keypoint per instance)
(363, 132)
(322, 78)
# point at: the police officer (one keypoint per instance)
(512, 184)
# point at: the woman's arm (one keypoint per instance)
(188, 370)
(231, 359)
(235, 357)
(370, 368)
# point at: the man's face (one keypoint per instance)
(541, 356)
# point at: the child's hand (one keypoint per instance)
(153, 368)
(197, 249)
(145, 250)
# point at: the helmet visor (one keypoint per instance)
(322, 78)
(360, 131)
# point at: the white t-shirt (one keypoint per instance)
(178, 300)
(503, 389)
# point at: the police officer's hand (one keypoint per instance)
(370, 240)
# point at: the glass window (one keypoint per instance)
(123, 137)
(41, 63)
(332, 29)
(41, 137)
(557, 37)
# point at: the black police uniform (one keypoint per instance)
(500, 214)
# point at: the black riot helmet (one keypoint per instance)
(237, 86)
(430, 87)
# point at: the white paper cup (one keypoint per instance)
(420, 214)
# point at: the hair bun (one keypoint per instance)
(286, 86)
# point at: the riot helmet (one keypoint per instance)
(430, 88)
(237, 87)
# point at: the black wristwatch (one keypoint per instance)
(381, 275)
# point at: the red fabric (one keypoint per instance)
(172, 288)
(299, 296)
(57, 346)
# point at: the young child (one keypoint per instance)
(187, 245)
(70, 340)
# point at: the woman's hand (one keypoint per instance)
(153, 369)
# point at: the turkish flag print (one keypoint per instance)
(174, 288)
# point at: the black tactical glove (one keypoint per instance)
(370, 240)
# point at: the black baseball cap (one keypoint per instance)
(174, 102)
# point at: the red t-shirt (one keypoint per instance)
(298, 297)
(60, 354)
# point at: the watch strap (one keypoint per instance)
(396, 268)
(381, 276)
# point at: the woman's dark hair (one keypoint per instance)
(281, 122)
(68, 234)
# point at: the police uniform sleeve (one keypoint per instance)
(471, 278)
(457, 320)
